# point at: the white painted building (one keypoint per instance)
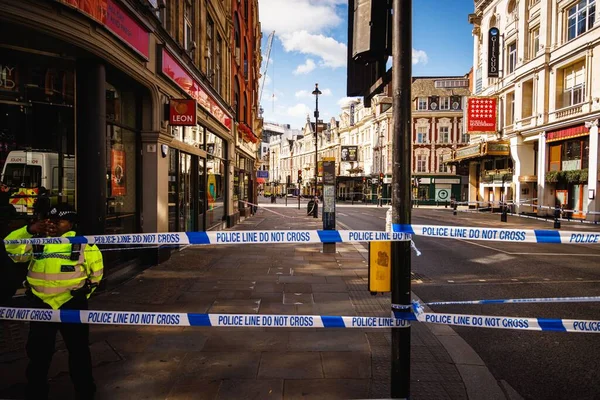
(549, 105)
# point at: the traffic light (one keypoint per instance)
(369, 45)
(381, 178)
(299, 176)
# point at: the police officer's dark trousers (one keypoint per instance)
(40, 349)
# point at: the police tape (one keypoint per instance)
(399, 320)
(223, 237)
(579, 299)
(499, 234)
(200, 320)
(513, 323)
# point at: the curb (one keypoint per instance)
(476, 376)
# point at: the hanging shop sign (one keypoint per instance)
(493, 53)
(482, 115)
(117, 20)
(182, 112)
(172, 69)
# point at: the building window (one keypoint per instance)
(444, 103)
(478, 80)
(218, 63)
(188, 32)
(421, 163)
(512, 57)
(442, 167)
(444, 136)
(210, 27)
(510, 108)
(422, 104)
(573, 84)
(422, 134)
(580, 18)
(527, 99)
(534, 42)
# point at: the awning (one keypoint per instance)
(467, 152)
(260, 180)
(567, 133)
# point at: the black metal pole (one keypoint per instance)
(401, 172)
(316, 92)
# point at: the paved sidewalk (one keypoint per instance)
(259, 363)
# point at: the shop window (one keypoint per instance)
(218, 64)
(215, 179)
(37, 133)
(575, 154)
(580, 18)
(555, 157)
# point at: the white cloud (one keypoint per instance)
(293, 15)
(330, 50)
(306, 93)
(419, 56)
(299, 110)
(345, 101)
(305, 68)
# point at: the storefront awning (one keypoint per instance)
(567, 133)
(467, 152)
(260, 180)
(495, 149)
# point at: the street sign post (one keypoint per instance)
(329, 202)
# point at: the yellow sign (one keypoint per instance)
(328, 158)
(380, 267)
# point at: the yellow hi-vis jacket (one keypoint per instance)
(51, 273)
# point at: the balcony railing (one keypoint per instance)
(568, 111)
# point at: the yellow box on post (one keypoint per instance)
(380, 269)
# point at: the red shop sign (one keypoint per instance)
(482, 114)
(182, 112)
(178, 74)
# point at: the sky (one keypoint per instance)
(310, 45)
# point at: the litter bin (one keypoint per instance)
(312, 208)
(273, 199)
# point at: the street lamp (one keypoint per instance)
(316, 92)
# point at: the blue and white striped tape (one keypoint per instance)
(191, 319)
(223, 237)
(399, 319)
(500, 234)
(514, 323)
(580, 299)
(400, 233)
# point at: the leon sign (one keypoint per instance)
(182, 112)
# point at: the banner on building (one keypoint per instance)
(482, 115)
(349, 153)
(493, 53)
(117, 170)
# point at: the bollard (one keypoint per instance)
(454, 208)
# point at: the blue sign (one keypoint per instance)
(262, 174)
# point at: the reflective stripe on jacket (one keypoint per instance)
(51, 273)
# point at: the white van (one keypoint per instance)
(27, 171)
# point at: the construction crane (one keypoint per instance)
(264, 74)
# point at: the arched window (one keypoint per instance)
(493, 22)
(512, 6)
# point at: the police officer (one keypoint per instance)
(60, 276)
